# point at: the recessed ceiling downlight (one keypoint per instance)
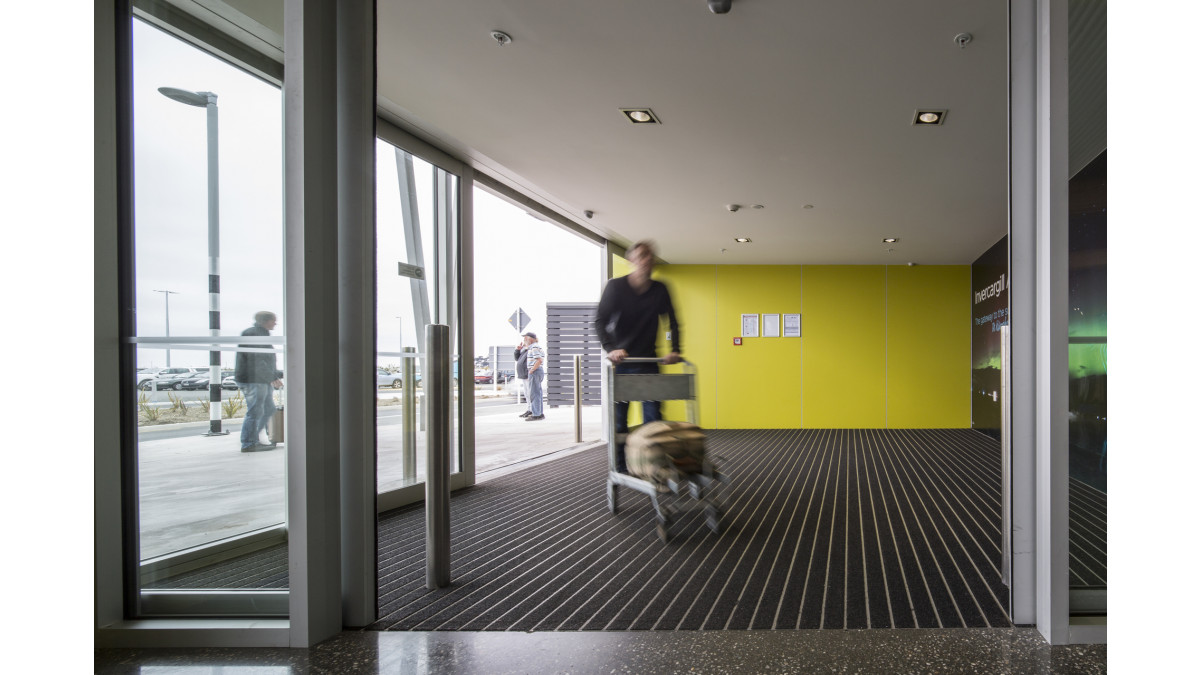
(890, 240)
(640, 115)
(742, 240)
(929, 118)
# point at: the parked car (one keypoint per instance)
(486, 378)
(194, 383)
(168, 378)
(385, 379)
(145, 375)
(201, 380)
(168, 381)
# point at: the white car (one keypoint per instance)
(144, 375)
(167, 378)
(386, 379)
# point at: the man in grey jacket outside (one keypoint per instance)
(522, 366)
(255, 374)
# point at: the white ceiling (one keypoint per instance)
(779, 102)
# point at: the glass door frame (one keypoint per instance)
(453, 285)
(166, 603)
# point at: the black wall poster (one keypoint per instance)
(989, 311)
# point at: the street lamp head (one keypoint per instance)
(198, 99)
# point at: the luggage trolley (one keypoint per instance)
(700, 487)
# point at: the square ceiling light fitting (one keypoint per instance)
(928, 118)
(640, 115)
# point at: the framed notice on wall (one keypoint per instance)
(791, 325)
(770, 325)
(749, 325)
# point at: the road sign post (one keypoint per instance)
(519, 320)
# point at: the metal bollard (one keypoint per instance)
(578, 399)
(408, 446)
(438, 396)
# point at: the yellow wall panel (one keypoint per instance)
(620, 266)
(928, 347)
(758, 381)
(882, 347)
(693, 292)
(842, 372)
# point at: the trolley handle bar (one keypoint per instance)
(647, 359)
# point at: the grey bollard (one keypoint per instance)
(438, 396)
(408, 447)
(578, 399)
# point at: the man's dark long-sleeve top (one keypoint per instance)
(628, 320)
(250, 367)
(522, 366)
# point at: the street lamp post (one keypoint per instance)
(208, 101)
(167, 299)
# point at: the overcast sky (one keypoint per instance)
(520, 261)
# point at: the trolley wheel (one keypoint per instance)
(712, 517)
(663, 527)
(612, 498)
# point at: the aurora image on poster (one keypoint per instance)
(1087, 329)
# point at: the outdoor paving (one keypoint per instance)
(198, 489)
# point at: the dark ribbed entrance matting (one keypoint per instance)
(1088, 538)
(822, 529)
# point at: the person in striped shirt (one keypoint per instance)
(535, 361)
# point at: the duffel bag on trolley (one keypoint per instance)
(659, 451)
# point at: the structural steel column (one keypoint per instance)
(1053, 611)
(1022, 300)
(311, 319)
(356, 306)
(1038, 254)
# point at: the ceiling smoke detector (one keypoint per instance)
(501, 37)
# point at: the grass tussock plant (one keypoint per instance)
(148, 411)
(232, 405)
(205, 405)
(177, 403)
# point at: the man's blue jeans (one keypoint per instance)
(650, 409)
(260, 407)
(535, 392)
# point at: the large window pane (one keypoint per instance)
(531, 268)
(208, 256)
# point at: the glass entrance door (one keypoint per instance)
(208, 333)
(417, 223)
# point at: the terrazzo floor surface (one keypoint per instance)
(952, 650)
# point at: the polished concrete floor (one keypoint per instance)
(961, 650)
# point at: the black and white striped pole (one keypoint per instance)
(208, 101)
